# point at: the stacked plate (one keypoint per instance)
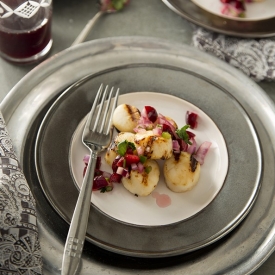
(259, 20)
(228, 213)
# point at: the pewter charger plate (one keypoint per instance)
(184, 72)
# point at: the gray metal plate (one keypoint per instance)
(239, 252)
(207, 20)
(218, 218)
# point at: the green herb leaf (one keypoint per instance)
(131, 145)
(123, 146)
(107, 188)
(183, 134)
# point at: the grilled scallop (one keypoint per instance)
(182, 173)
(125, 117)
(124, 136)
(111, 152)
(142, 184)
(110, 155)
(155, 147)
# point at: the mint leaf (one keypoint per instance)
(183, 134)
(131, 145)
(123, 146)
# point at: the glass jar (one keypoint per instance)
(25, 29)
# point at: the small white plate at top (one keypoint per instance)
(121, 205)
(254, 11)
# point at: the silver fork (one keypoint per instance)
(96, 136)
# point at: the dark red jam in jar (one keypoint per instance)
(25, 30)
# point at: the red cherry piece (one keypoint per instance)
(239, 5)
(190, 134)
(151, 113)
(129, 151)
(115, 178)
(99, 182)
(167, 128)
(191, 119)
(114, 164)
(120, 162)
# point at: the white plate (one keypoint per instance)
(254, 11)
(124, 206)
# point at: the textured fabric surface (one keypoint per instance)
(20, 251)
(255, 57)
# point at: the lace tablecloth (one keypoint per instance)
(255, 57)
(20, 251)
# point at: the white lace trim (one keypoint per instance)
(255, 57)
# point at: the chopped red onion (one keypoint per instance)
(86, 159)
(140, 150)
(119, 170)
(167, 124)
(106, 174)
(125, 173)
(157, 131)
(140, 167)
(190, 134)
(202, 151)
(192, 148)
(134, 166)
(183, 145)
(176, 146)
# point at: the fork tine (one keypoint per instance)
(106, 111)
(100, 108)
(112, 111)
(91, 114)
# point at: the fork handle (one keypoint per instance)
(77, 231)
